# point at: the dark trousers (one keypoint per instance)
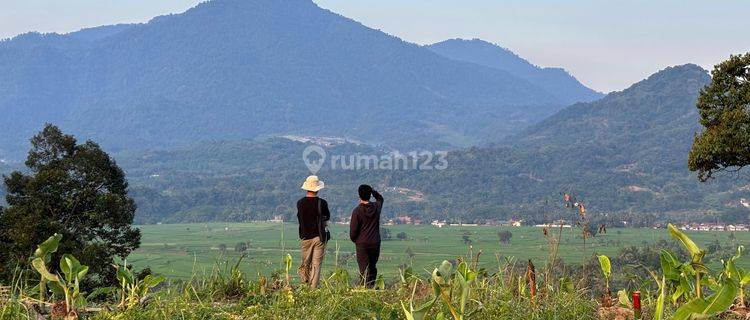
(367, 259)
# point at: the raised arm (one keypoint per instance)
(378, 197)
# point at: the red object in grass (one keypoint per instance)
(637, 304)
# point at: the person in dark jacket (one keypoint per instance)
(311, 212)
(364, 231)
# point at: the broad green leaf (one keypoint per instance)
(695, 252)
(606, 266)
(153, 281)
(380, 282)
(66, 266)
(418, 313)
(669, 264)
(124, 275)
(745, 279)
(56, 288)
(442, 274)
(38, 264)
(446, 269)
(718, 302)
(81, 272)
(659, 310)
(48, 247)
(566, 285)
(624, 299)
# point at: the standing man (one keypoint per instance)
(364, 231)
(313, 214)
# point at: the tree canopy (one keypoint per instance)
(72, 189)
(724, 108)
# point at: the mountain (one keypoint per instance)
(238, 69)
(623, 155)
(554, 80)
(626, 152)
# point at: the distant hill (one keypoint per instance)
(623, 155)
(238, 69)
(626, 152)
(554, 80)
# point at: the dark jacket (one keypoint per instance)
(307, 215)
(364, 228)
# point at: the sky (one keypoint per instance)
(606, 44)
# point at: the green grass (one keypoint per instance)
(180, 250)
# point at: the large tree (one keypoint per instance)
(73, 189)
(724, 108)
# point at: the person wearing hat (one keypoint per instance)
(313, 214)
(364, 231)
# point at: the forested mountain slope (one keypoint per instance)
(239, 69)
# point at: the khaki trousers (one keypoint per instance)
(313, 251)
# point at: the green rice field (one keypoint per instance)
(180, 250)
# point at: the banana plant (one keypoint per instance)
(450, 286)
(417, 313)
(606, 267)
(720, 301)
(739, 276)
(44, 252)
(67, 284)
(406, 276)
(696, 257)
(678, 275)
(659, 309)
(133, 290)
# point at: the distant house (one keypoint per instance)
(555, 224)
(438, 223)
(404, 220)
(714, 227)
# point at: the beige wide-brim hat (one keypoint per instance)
(312, 183)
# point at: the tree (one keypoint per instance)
(504, 236)
(402, 236)
(723, 106)
(386, 234)
(75, 190)
(240, 247)
(466, 238)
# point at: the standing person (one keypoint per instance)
(312, 214)
(364, 231)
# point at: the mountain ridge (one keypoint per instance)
(229, 69)
(555, 80)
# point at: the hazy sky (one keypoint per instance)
(607, 45)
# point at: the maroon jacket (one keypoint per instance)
(364, 228)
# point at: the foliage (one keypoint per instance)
(74, 190)
(504, 236)
(44, 253)
(459, 292)
(606, 267)
(725, 140)
(209, 90)
(132, 289)
(68, 285)
(634, 170)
